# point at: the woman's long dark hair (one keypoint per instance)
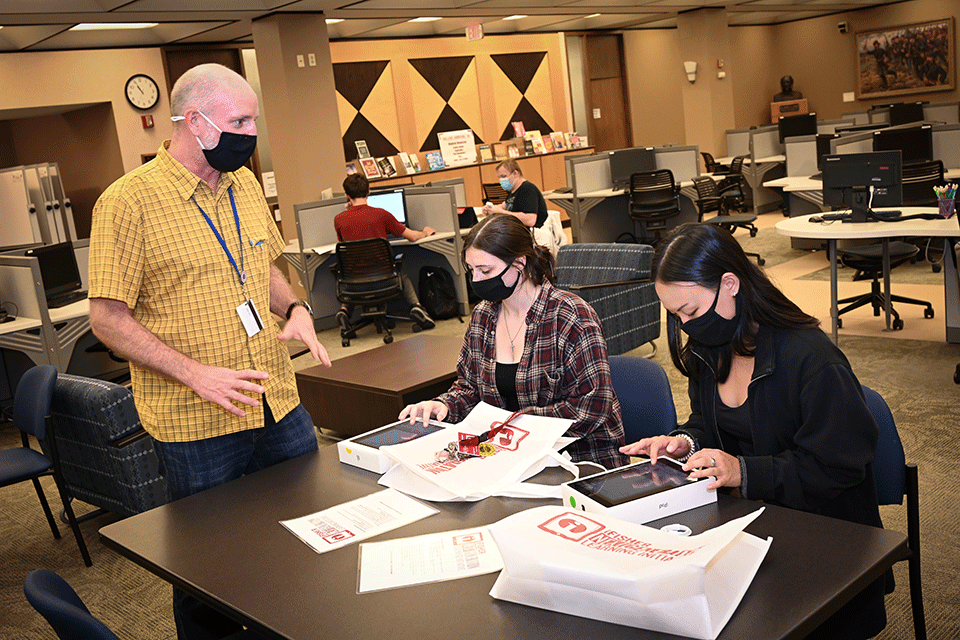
(702, 253)
(504, 236)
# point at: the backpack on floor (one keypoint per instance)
(438, 294)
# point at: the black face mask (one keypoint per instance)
(493, 289)
(712, 329)
(232, 150)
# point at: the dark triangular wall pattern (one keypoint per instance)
(361, 129)
(355, 80)
(443, 74)
(448, 121)
(531, 119)
(520, 67)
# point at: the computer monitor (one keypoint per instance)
(392, 200)
(58, 268)
(848, 178)
(626, 162)
(823, 147)
(802, 125)
(915, 144)
(905, 113)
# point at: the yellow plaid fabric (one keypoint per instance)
(151, 248)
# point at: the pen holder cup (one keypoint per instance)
(946, 207)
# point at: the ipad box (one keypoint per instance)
(364, 450)
(639, 492)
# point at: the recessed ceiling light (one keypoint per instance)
(107, 26)
(334, 20)
(424, 19)
(517, 17)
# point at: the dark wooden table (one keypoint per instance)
(227, 547)
(368, 389)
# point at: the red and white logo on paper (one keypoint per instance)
(572, 526)
(339, 536)
(509, 438)
(469, 538)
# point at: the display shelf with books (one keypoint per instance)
(405, 161)
(370, 168)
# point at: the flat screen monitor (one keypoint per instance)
(393, 201)
(848, 177)
(915, 144)
(626, 162)
(58, 268)
(823, 147)
(802, 125)
(905, 113)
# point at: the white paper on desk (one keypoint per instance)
(357, 520)
(434, 557)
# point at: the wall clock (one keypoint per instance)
(142, 91)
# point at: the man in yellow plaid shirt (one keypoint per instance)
(182, 284)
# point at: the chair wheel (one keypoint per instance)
(387, 339)
(416, 328)
(897, 324)
(753, 233)
(761, 261)
(839, 323)
(928, 313)
(345, 342)
(936, 267)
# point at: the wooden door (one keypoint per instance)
(608, 109)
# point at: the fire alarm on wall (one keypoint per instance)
(147, 121)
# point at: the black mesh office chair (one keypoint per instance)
(368, 276)
(734, 184)
(494, 193)
(711, 198)
(654, 199)
(712, 166)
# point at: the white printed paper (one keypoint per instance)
(357, 520)
(429, 558)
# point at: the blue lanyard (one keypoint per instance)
(241, 272)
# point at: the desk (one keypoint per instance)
(801, 227)
(368, 389)
(226, 547)
(603, 215)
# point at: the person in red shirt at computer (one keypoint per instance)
(360, 221)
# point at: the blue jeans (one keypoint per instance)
(191, 467)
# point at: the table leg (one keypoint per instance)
(834, 307)
(886, 280)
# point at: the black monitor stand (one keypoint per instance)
(859, 205)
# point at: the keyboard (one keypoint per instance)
(64, 299)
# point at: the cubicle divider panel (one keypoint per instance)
(683, 162)
(590, 173)
(765, 142)
(830, 126)
(738, 142)
(459, 191)
(315, 229)
(853, 143)
(436, 207)
(859, 117)
(946, 145)
(22, 296)
(81, 249)
(801, 153)
(945, 112)
(20, 225)
(879, 116)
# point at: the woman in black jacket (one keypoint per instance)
(776, 412)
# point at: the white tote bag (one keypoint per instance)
(522, 447)
(595, 566)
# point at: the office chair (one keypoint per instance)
(31, 414)
(896, 478)
(711, 198)
(367, 276)
(712, 166)
(494, 193)
(734, 185)
(654, 199)
(106, 457)
(645, 397)
(868, 263)
(615, 280)
(63, 609)
(917, 182)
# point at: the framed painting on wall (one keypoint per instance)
(905, 59)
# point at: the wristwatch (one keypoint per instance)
(299, 303)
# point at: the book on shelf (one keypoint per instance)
(574, 140)
(405, 161)
(370, 167)
(500, 151)
(351, 168)
(558, 141)
(387, 168)
(513, 150)
(548, 144)
(486, 153)
(415, 161)
(362, 150)
(518, 129)
(536, 143)
(528, 147)
(435, 160)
